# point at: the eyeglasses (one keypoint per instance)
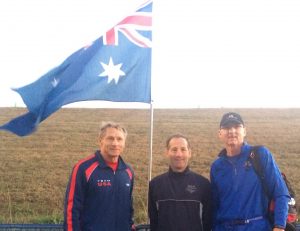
(236, 127)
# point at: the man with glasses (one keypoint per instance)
(240, 202)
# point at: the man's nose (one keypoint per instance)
(178, 153)
(115, 141)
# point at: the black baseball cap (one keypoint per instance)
(231, 118)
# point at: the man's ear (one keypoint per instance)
(166, 153)
(219, 133)
(190, 150)
(98, 141)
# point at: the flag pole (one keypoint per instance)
(150, 142)
(150, 152)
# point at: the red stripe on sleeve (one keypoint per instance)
(90, 170)
(71, 193)
(129, 173)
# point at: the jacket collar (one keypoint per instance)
(172, 173)
(223, 152)
(102, 163)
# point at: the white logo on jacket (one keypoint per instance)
(191, 188)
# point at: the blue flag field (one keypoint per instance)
(115, 67)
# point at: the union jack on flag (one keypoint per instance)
(130, 27)
(115, 67)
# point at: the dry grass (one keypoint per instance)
(34, 170)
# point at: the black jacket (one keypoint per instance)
(180, 202)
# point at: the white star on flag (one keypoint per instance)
(112, 71)
(55, 82)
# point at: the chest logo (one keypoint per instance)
(247, 165)
(103, 183)
(191, 188)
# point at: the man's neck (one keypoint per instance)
(233, 150)
(111, 159)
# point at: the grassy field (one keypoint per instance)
(34, 170)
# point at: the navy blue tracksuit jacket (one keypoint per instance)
(97, 198)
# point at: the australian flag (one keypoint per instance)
(115, 67)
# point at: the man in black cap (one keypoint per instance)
(239, 197)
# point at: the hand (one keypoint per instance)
(278, 229)
(133, 228)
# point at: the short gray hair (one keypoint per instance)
(106, 125)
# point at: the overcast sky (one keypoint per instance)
(206, 53)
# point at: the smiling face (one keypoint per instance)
(179, 153)
(112, 144)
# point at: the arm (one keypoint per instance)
(131, 207)
(276, 188)
(207, 207)
(74, 200)
(152, 210)
(215, 200)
